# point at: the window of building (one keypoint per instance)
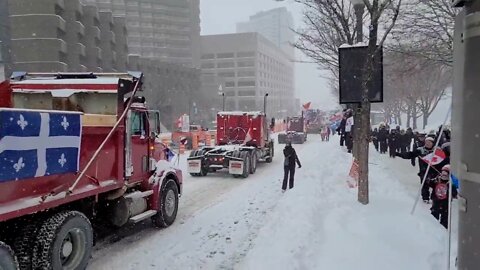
(248, 73)
(208, 65)
(226, 74)
(229, 84)
(208, 56)
(230, 93)
(246, 93)
(245, 54)
(225, 55)
(226, 65)
(246, 83)
(246, 64)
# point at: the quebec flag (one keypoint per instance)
(38, 143)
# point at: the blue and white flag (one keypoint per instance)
(35, 144)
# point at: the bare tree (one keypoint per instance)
(432, 81)
(327, 25)
(425, 29)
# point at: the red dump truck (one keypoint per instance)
(243, 139)
(76, 149)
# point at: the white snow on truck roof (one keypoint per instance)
(43, 80)
(237, 113)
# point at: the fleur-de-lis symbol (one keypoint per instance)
(65, 123)
(19, 165)
(22, 122)
(62, 160)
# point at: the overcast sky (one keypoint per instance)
(221, 16)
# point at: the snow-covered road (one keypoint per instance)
(228, 223)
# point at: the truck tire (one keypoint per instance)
(204, 165)
(271, 153)
(8, 261)
(253, 163)
(168, 205)
(22, 244)
(246, 163)
(64, 241)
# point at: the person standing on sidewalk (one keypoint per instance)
(291, 159)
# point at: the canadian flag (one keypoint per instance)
(306, 106)
(435, 158)
(249, 135)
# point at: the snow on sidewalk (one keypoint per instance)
(320, 224)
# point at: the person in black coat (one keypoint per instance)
(291, 159)
(440, 196)
(393, 141)
(375, 138)
(341, 130)
(420, 153)
(382, 139)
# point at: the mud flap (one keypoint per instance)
(235, 167)
(194, 165)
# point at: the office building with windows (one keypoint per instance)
(275, 24)
(167, 30)
(247, 66)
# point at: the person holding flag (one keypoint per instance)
(427, 156)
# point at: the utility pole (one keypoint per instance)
(466, 97)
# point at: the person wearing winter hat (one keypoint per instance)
(421, 153)
(289, 165)
(440, 195)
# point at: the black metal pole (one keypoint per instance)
(223, 100)
(468, 166)
(265, 103)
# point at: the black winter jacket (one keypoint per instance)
(290, 157)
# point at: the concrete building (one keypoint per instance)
(275, 24)
(93, 55)
(160, 29)
(59, 36)
(107, 41)
(247, 65)
(170, 88)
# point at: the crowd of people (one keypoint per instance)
(429, 151)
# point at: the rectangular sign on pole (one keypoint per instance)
(352, 71)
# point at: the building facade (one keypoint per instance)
(247, 66)
(275, 24)
(60, 36)
(167, 30)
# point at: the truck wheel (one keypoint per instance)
(22, 243)
(253, 164)
(246, 163)
(270, 152)
(8, 261)
(64, 241)
(168, 205)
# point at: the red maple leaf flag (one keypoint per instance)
(306, 106)
(249, 135)
(354, 174)
(435, 158)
